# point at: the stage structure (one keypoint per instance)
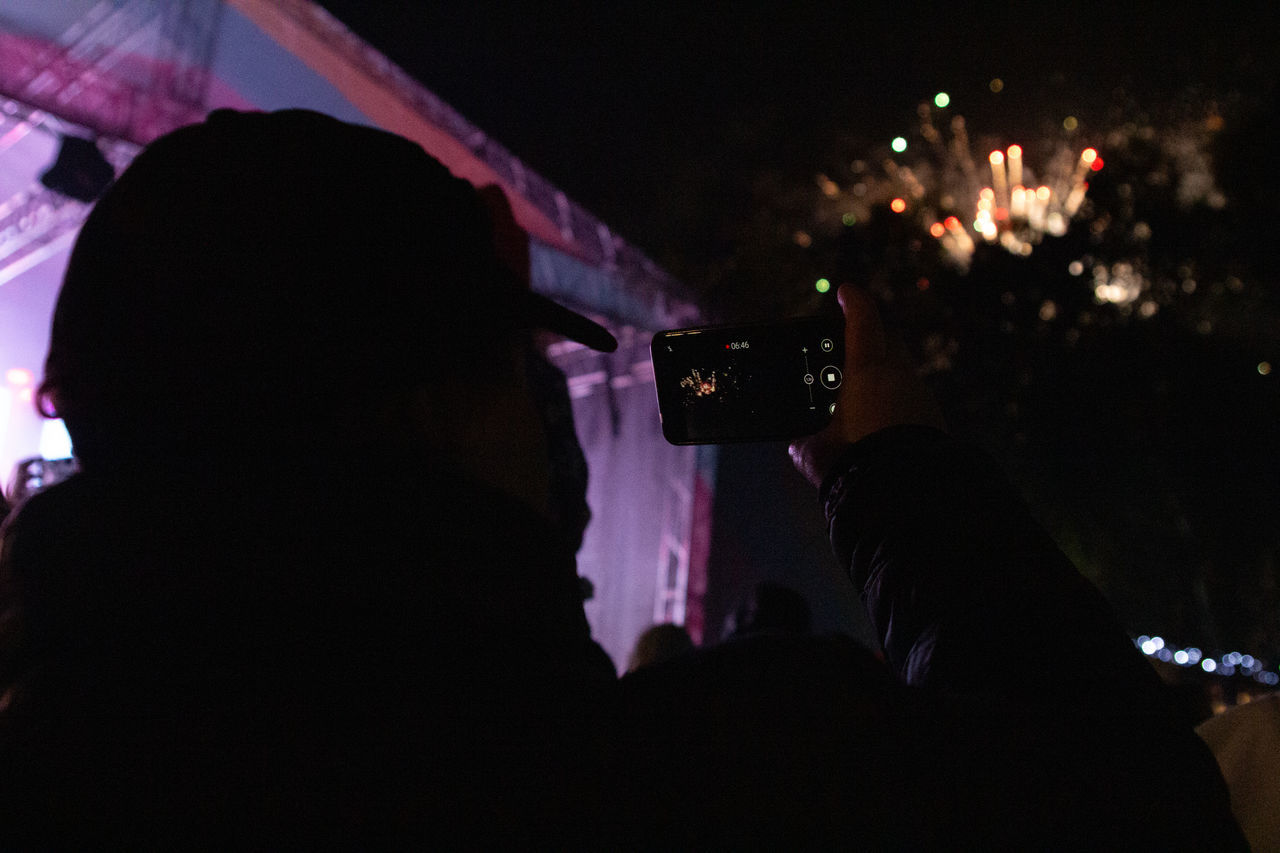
(121, 72)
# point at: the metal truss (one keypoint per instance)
(127, 69)
(98, 80)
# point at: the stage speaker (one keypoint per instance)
(80, 171)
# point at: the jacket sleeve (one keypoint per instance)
(963, 587)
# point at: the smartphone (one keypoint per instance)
(37, 474)
(760, 382)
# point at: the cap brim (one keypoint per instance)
(543, 313)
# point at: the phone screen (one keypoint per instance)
(757, 382)
(37, 474)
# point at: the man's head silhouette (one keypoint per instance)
(272, 267)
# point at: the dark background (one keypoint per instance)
(1147, 442)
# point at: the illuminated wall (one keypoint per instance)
(26, 307)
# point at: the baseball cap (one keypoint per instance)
(274, 243)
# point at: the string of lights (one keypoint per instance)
(1226, 665)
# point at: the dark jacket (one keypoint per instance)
(263, 652)
(1013, 712)
(359, 654)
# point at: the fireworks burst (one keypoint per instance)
(959, 203)
(1017, 195)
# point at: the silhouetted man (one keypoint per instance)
(310, 579)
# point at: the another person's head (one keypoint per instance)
(772, 608)
(657, 644)
(277, 281)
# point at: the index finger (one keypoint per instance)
(864, 337)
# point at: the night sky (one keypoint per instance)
(1144, 433)
(659, 117)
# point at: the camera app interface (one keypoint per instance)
(745, 383)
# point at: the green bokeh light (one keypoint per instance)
(941, 100)
(822, 285)
(899, 144)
